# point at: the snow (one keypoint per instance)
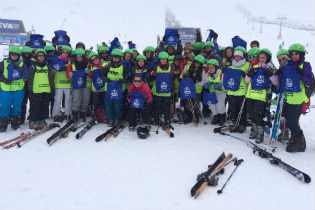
(156, 173)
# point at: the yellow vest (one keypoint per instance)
(243, 86)
(15, 85)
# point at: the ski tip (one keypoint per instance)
(172, 135)
(307, 178)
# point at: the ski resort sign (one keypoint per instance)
(11, 26)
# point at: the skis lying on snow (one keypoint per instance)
(26, 138)
(22, 135)
(85, 129)
(208, 177)
(114, 131)
(167, 129)
(303, 177)
(64, 131)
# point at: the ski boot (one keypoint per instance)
(260, 135)
(216, 119)
(15, 122)
(33, 124)
(284, 135)
(253, 131)
(222, 119)
(116, 123)
(3, 124)
(110, 123)
(296, 144)
(75, 115)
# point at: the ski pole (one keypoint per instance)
(236, 163)
(157, 130)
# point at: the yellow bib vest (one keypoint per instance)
(216, 80)
(61, 79)
(41, 80)
(15, 85)
(115, 74)
(243, 86)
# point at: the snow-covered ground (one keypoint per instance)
(157, 173)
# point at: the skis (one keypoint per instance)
(207, 178)
(166, 128)
(60, 131)
(85, 129)
(179, 115)
(112, 131)
(23, 140)
(22, 135)
(303, 177)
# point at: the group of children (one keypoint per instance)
(145, 87)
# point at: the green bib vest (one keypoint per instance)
(41, 80)
(15, 85)
(61, 79)
(243, 86)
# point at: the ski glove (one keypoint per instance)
(217, 86)
(206, 85)
(268, 72)
(130, 93)
(6, 81)
(300, 71)
(243, 74)
(144, 96)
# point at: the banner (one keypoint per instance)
(11, 26)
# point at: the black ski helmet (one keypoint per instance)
(143, 132)
(80, 44)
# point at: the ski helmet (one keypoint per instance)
(117, 52)
(267, 52)
(130, 51)
(242, 49)
(80, 44)
(26, 49)
(214, 62)
(163, 55)
(200, 59)
(134, 50)
(253, 51)
(149, 49)
(143, 132)
(141, 57)
(102, 48)
(297, 47)
(66, 47)
(92, 54)
(197, 45)
(282, 52)
(209, 44)
(79, 51)
(49, 48)
(40, 51)
(15, 50)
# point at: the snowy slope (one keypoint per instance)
(157, 173)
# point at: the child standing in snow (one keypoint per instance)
(259, 78)
(12, 73)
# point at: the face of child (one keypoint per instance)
(148, 54)
(79, 57)
(283, 59)
(262, 58)
(65, 53)
(116, 59)
(237, 58)
(40, 57)
(208, 49)
(14, 56)
(127, 56)
(95, 60)
(229, 53)
(211, 68)
(295, 56)
(197, 64)
(137, 81)
(141, 63)
(163, 61)
(252, 58)
(177, 62)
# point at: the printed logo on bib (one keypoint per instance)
(80, 82)
(15, 74)
(163, 86)
(114, 93)
(171, 39)
(60, 39)
(187, 91)
(289, 83)
(260, 80)
(36, 43)
(57, 67)
(136, 103)
(99, 81)
(231, 83)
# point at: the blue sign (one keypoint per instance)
(187, 35)
(11, 26)
(12, 39)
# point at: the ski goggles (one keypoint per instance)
(137, 80)
(294, 53)
(79, 56)
(252, 57)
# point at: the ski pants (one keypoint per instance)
(97, 99)
(39, 106)
(162, 106)
(11, 99)
(256, 110)
(113, 109)
(218, 108)
(80, 99)
(292, 114)
(58, 100)
(235, 104)
(144, 114)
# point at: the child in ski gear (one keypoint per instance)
(95, 76)
(78, 71)
(135, 53)
(140, 98)
(40, 85)
(237, 88)
(103, 52)
(214, 84)
(252, 55)
(141, 68)
(209, 53)
(294, 99)
(12, 73)
(198, 75)
(254, 43)
(227, 60)
(162, 88)
(115, 74)
(259, 78)
(26, 56)
(62, 85)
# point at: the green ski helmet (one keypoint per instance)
(40, 51)
(92, 54)
(66, 47)
(141, 57)
(49, 48)
(268, 53)
(253, 51)
(242, 49)
(117, 52)
(163, 55)
(26, 49)
(197, 45)
(200, 59)
(214, 62)
(208, 44)
(102, 48)
(79, 51)
(282, 52)
(15, 50)
(130, 51)
(149, 49)
(297, 47)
